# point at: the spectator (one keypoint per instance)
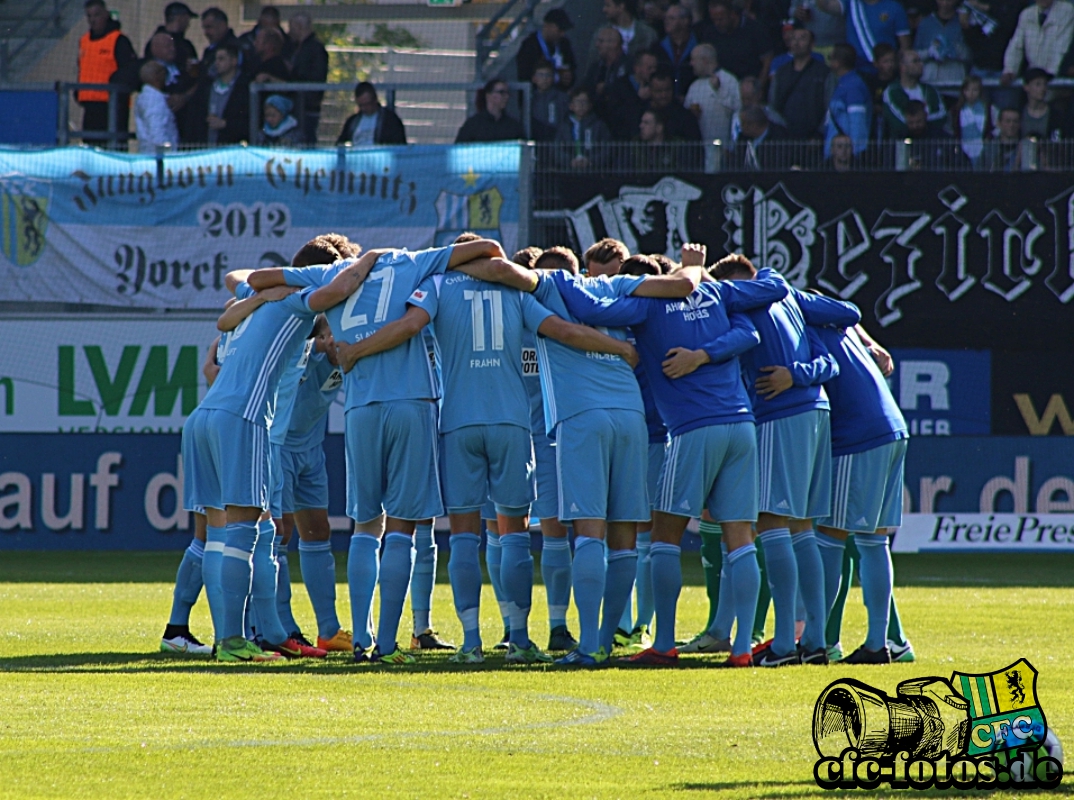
(761, 142)
(653, 153)
(939, 41)
(179, 85)
(491, 123)
(849, 109)
(373, 124)
(1039, 120)
(799, 89)
(102, 52)
(674, 49)
(153, 120)
(972, 119)
(750, 93)
(885, 70)
(280, 128)
(930, 148)
(220, 109)
(637, 36)
(628, 97)
(1041, 39)
(271, 66)
(214, 26)
(551, 44)
(1004, 153)
(583, 136)
(652, 11)
(679, 124)
(548, 103)
(787, 31)
(609, 67)
(827, 28)
(176, 23)
(870, 22)
(987, 29)
(268, 19)
(842, 157)
(713, 97)
(741, 43)
(909, 88)
(309, 64)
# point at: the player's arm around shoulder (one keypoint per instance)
(499, 270)
(345, 283)
(676, 286)
(820, 310)
(387, 338)
(582, 337)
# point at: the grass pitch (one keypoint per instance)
(89, 709)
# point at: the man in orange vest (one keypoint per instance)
(102, 51)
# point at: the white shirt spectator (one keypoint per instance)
(718, 106)
(154, 121)
(1041, 46)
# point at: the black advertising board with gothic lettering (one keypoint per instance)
(956, 260)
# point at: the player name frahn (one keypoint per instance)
(853, 771)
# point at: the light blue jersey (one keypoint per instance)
(531, 375)
(573, 381)
(478, 328)
(256, 354)
(317, 390)
(285, 395)
(398, 278)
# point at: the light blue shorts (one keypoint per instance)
(795, 465)
(225, 461)
(305, 479)
(713, 468)
(867, 489)
(546, 505)
(657, 451)
(602, 457)
(391, 461)
(276, 480)
(479, 462)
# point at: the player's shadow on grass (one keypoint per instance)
(128, 663)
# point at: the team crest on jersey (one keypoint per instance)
(24, 218)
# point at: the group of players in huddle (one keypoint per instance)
(621, 404)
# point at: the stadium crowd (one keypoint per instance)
(774, 80)
(475, 384)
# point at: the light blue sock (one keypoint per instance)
(782, 572)
(464, 570)
(618, 585)
(424, 578)
(283, 587)
(876, 581)
(831, 555)
(589, 578)
(263, 590)
(811, 589)
(556, 574)
(319, 575)
(745, 576)
(643, 582)
(396, 564)
(494, 562)
(210, 575)
(667, 585)
(188, 583)
(516, 578)
(363, 567)
(236, 570)
(725, 605)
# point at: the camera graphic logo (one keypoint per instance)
(972, 731)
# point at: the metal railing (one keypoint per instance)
(389, 91)
(494, 33)
(113, 136)
(14, 30)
